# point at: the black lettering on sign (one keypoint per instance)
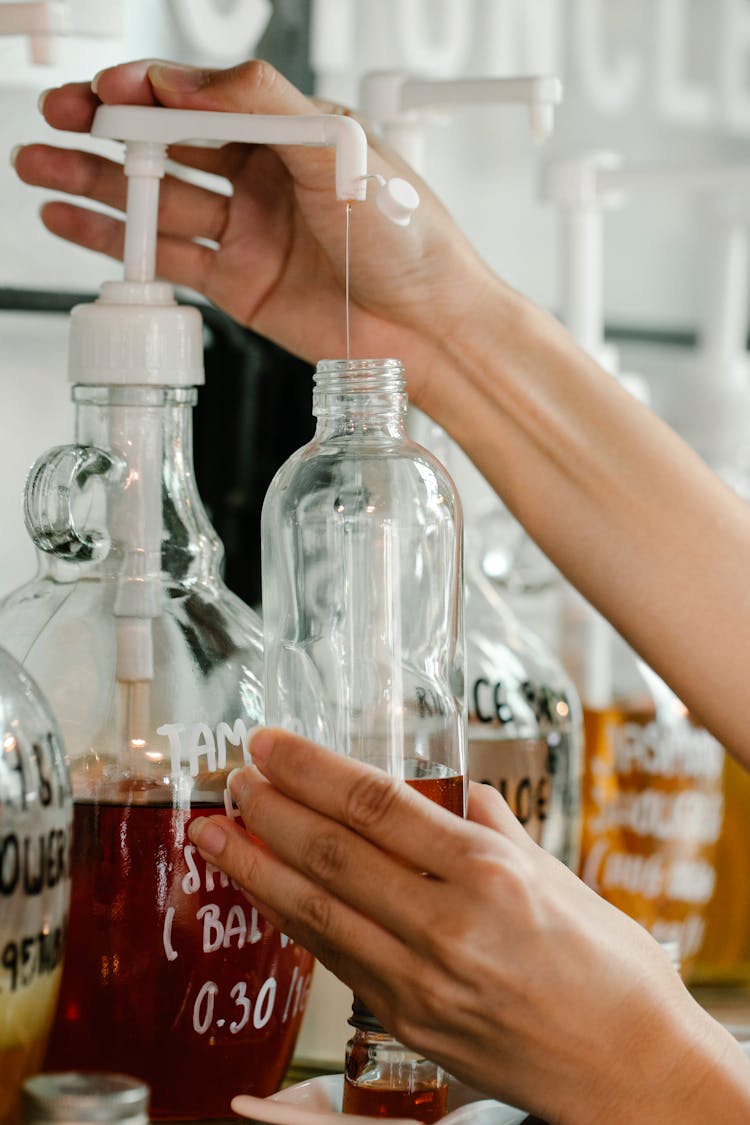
(491, 702)
(10, 863)
(428, 703)
(32, 955)
(526, 799)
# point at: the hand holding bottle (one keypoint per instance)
(501, 965)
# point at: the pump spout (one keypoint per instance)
(398, 103)
(203, 127)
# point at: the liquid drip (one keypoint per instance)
(346, 276)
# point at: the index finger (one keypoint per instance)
(367, 800)
(73, 105)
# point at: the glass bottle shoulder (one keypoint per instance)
(364, 475)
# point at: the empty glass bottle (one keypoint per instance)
(363, 624)
(652, 790)
(362, 586)
(154, 670)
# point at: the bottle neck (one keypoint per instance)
(366, 397)
(155, 508)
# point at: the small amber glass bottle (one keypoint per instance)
(383, 1078)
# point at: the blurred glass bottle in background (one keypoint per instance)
(652, 793)
(36, 815)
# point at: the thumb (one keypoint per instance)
(251, 87)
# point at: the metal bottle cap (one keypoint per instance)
(77, 1097)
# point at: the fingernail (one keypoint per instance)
(176, 77)
(261, 746)
(207, 836)
(95, 79)
(42, 98)
(236, 783)
(14, 154)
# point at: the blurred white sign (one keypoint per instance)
(686, 61)
(221, 30)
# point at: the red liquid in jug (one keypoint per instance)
(170, 975)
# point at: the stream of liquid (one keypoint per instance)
(346, 275)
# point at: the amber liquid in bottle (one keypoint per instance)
(398, 1091)
(652, 812)
(426, 1105)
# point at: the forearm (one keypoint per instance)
(625, 509)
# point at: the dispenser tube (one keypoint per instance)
(144, 167)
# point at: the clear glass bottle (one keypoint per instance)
(154, 670)
(363, 606)
(525, 722)
(36, 820)
(362, 586)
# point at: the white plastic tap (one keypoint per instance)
(399, 103)
(575, 186)
(40, 20)
(585, 186)
(45, 20)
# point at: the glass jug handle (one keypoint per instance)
(55, 486)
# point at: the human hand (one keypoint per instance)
(277, 263)
(501, 965)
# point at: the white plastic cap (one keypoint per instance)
(136, 334)
(397, 200)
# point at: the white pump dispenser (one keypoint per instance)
(135, 334)
(399, 102)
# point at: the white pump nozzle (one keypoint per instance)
(205, 127)
(399, 102)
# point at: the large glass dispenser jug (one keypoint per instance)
(36, 815)
(154, 670)
(363, 617)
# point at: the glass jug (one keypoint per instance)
(525, 722)
(155, 672)
(36, 816)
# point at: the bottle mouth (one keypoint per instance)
(359, 376)
(359, 387)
